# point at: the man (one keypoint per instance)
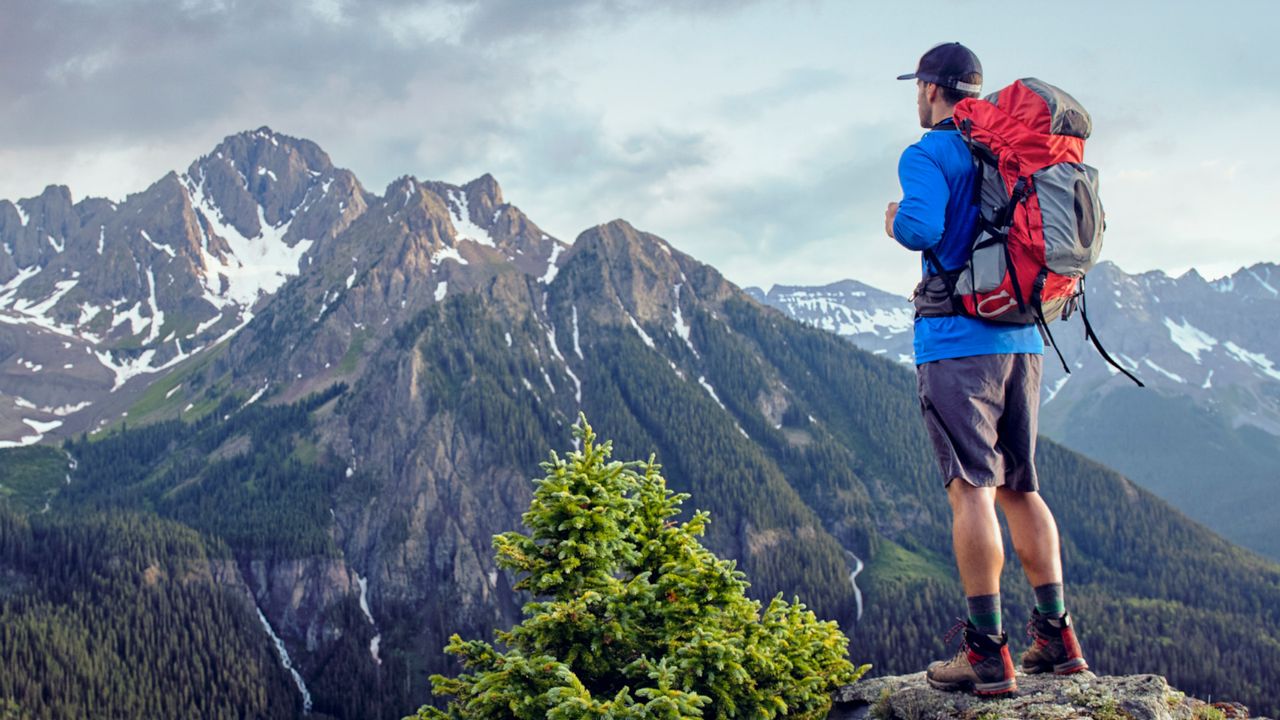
(979, 387)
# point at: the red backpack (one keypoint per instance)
(1040, 222)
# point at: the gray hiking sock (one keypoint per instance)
(984, 613)
(1049, 600)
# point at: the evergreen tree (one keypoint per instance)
(634, 617)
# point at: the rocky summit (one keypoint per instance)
(1039, 697)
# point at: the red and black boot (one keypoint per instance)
(983, 665)
(1054, 646)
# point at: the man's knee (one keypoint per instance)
(966, 497)
(1006, 496)
(1015, 500)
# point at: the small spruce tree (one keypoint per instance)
(633, 618)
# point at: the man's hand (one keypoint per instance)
(890, 213)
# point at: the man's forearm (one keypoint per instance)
(911, 231)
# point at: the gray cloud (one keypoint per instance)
(74, 71)
(571, 173)
(820, 222)
(86, 71)
(795, 84)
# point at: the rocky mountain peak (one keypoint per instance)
(1257, 282)
(34, 230)
(477, 213)
(639, 272)
(268, 150)
(483, 194)
(619, 242)
(1191, 275)
(260, 178)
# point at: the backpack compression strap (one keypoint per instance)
(1092, 336)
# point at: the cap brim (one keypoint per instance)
(908, 76)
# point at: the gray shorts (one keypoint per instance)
(982, 414)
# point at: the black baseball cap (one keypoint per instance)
(947, 65)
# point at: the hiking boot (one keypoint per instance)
(1055, 647)
(982, 666)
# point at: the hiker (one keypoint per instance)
(979, 387)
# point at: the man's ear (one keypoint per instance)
(931, 92)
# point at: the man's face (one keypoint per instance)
(923, 105)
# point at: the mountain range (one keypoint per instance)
(293, 413)
(1205, 432)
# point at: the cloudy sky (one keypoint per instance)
(761, 137)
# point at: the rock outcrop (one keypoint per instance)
(1039, 697)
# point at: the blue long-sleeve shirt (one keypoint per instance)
(937, 212)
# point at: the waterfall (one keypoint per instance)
(287, 663)
(853, 580)
(364, 607)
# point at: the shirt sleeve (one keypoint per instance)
(923, 210)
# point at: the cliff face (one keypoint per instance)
(1039, 697)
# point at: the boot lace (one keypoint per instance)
(956, 630)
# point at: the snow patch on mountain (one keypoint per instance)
(132, 316)
(555, 349)
(1189, 338)
(681, 328)
(22, 441)
(462, 225)
(162, 248)
(702, 380)
(1172, 376)
(254, 398)
(39, 427)
(1265, 285)
(157, 317)
(448, 253)
(37, 311)
(256, 266)
(552, 268)
(1258, 360)
(643, 335)
(1051, 392)
(9, 290)
(577, 349)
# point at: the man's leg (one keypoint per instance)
(983, 663)
(1032, 527)
(960, 399)
(975, 534)
(1035, 535)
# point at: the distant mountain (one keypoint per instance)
(1205, 435)
(874, 320)
(347, 453)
